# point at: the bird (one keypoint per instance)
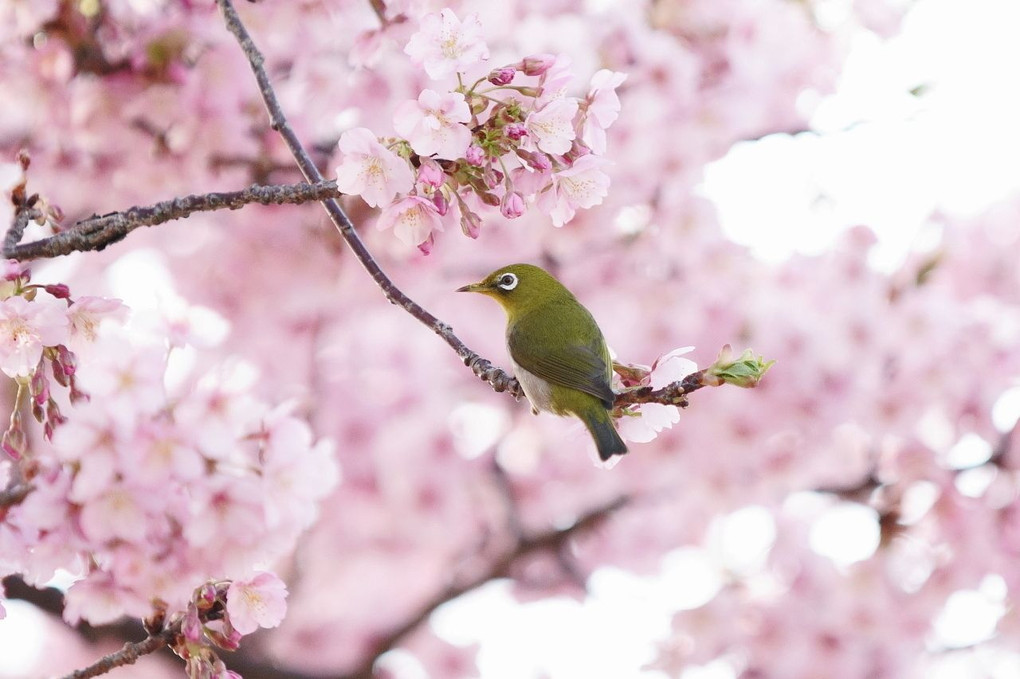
(558, 353)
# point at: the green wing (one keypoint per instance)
(562, 344)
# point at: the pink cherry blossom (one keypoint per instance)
(551, 127)
(370, 170)
(25, 329)
(581, 185)
(413, 219)
(434, 124)
(445, 45)
(603, 108)
(258, 602)
(88, 313)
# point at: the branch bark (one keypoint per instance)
(97, 232)
(129, 654)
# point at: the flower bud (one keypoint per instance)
(512, 205)
(535, 160)
(441, 202)
(502, 76)
(470, 223)
(744, 371)
(430, 174)
(515, 131)
(474, 155)
(537, 64)
(58, 290)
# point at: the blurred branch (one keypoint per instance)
(522, 546)
(13, 494)
(97, 232)
(552, 540)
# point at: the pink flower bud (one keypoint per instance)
(442, 204)
(430, 174)
(470, 223)
(502, 76)
(58, 290)
(14, 441)
(68, 361)
(535, 160)
(475, 155)
(39, 387)
(537, 64)
(515, 131)
(492, 177)
(512, 205)
(577, 150)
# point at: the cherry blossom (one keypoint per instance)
(258, 602)
(581, 185)
(25, 329)
(552, 126)
(413, 220)
(445, 45)
(434, 124)
(371, 170)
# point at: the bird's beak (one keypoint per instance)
(473, 287)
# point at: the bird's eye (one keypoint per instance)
(507, 281)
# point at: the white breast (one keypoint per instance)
(538, 391)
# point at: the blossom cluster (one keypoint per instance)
(154, 480)
(510, 139)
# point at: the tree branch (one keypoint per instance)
(97, 232)
(130, 653)
(551, 540)
(481, 367)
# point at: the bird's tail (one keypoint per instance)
(607, 439)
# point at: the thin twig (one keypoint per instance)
(97, 232)
(672, 394)
(130, 653)
(499, 379)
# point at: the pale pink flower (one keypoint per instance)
(603, 108)
(87, 314)
(161, 451)
(672, 367)
(445, 45)
(551, 127)
(25, 328)
(581, 185)
(433, 125)
(371, 170)
(258, 602)
(413, 219)
(118, 513)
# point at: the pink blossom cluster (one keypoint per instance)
(146, 491)
(510, 139)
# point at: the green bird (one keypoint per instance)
(557, 350)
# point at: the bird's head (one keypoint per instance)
(519, 287)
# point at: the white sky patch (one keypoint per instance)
(21, 641)
(881, 156)
(846, 533)
(970, 616)
(477, 427)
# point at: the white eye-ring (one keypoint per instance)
(507, 281)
